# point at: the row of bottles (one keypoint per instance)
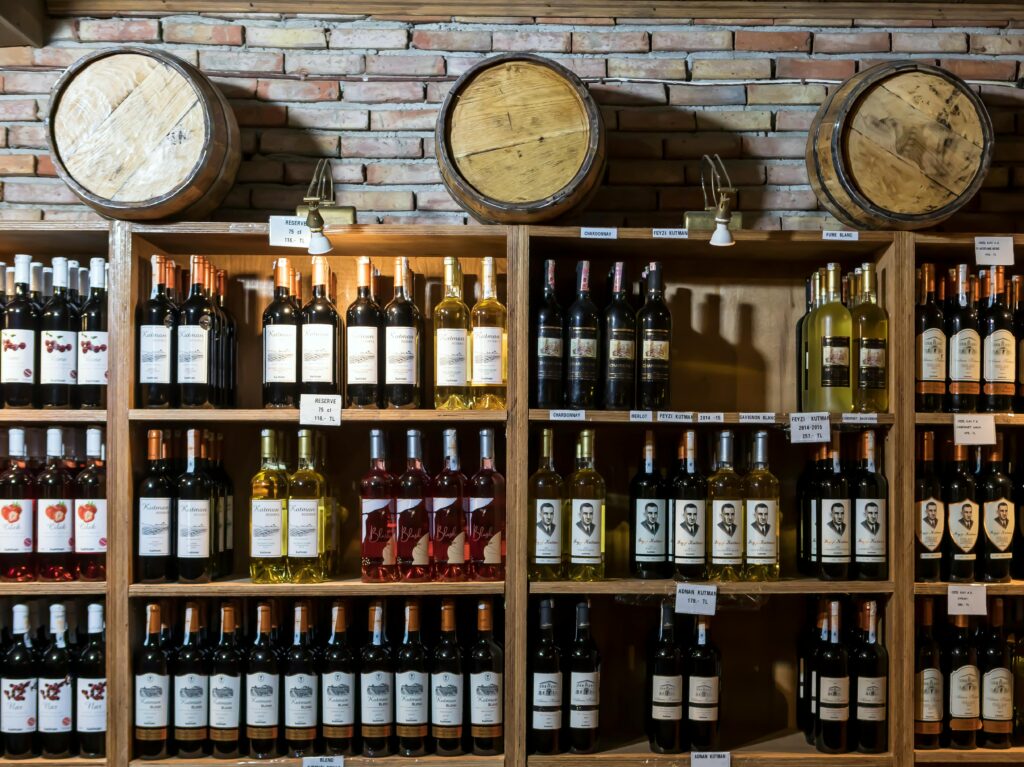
(53, 516)
(54, 343)
(318, 693)
(615, 359)
(842, 344)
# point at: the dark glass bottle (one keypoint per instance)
(808, 495)
(959, 493)
(704, 683)
(664, 716)
(338, 671)
(154, 516)
(301, 688)
(194, 343)
(19, 339)
(994, 670)
(377, 509)
(218, 335)
(998, 348)
(929, 702)
(618, 330)
(229, 348)
(835, 549)
(654, 328)
(363, 323)
(584, 345)
(689, 493)
(549, 329)
(224, 501)
(191, 689)
(584, 686)
(964, 355)
(486, 686)
(869, 669)
(58, 337)
(17, 514)
(193, 516)
(91, 511)
(545, 686)
(152, 691)
(226, 689)
(447, 686)
(91, 689)
(811, 640)
(157, 324)
(403, 338)
(55, 689)
(931, 515)
(19, 688)
(870, 491)
(929, 323)
(648, 521)
(962, 683)
(413, 520)
(832, 730)
(55, 507)
(412, 686)
(262, 690)
(376, 688)
(93, 340)
(995, 493)
(485, 516)
(281, 353)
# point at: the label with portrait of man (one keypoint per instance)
(690, 531)
(726, 532)
(762, 531)
(931, 526)
(585, 538)
(834, 530)
(999, 526)
(650, 530)
(869, 530)
(964, 524)
(548, 547)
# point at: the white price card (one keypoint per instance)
(993, 251)
(323, 761)
(860, 418)
(567, 415)
(966, 599)
(320, 410)
(757, 417)
(843, 235)
(974, 429)
(696, 599)
(599, 233)
(670, 234)
(289, 232)
(710, 417)
(674, 416)
(809, 427)
(711, 758)
(641, 416)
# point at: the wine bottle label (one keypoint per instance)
(193, 354)
(583, 720)
(549, 353)
(649, 530)
(300, 696)
(378, 544)
(654, 356)
(92, 357)
(835, 361)
(835, 531)
(361, 350)
(547, 518)
(401, 356)
(447, 531)
(91, 525)
(869, 535)
(54, 704)
(18, 701)
(16, 526)
(413, 531)
(488, 345)
(450, 357)
(963, 524)
(155, 527)
(152, 700)
(703, 698)
(801, 678)
(964, 693)
(154, 354)
(53, 526)
(318, 349)
(546, 719)
(999, 526)
(871, 363)
(339, 696)
(376, 698)
(931, 362)
(411, 697)
(726, 535)
(583, 353)
(667, 698)
(997, 695)
(871, 698)
(928, 696)
(485, 698)
(814, 692)
(547, 689)
(964, 362)
(762, 531)
(834, 698)
(261, 693)
(446, 699)
(279, 354)
(265, 537)
(483, 532)
(813, 513)
(690, 524)
(621, 363)
(585, 688)
(18, 360)
(58, 362)
(225, 701)
(931, 526)
(191, 700)
(587, 531)
(220, 514)
(305, 534)
(999, 362)
(91, 700)
(193, 529)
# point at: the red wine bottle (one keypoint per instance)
(338, 687)
(196, 318)
(93, 340)
(152, 691)
(155, 518)
(91, 689)
(18, 340)
(412, 686)
(18, 684)
(55, 689)
(376, 688)
(157, 324)
(262, 690)
(447, 683)
(321, 336)
(58, 330)
(55, 513)
(281, 353)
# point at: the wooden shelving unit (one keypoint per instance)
(345, 588)
(1013, 588)
(290, 415)
(466, 760)
(946, 419)
(687, 418)
(976, 756)
(668, 587)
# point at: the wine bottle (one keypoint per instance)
(835, 544)
(229, 349)
(90, 672)
(281, 351)
(36, 282)
(451, 340)
(665, 688)
(962, 682)
(155, 493)
(91, 512)
(262, 690)
(377, 508)
(763, 520)
(447, 515)
(725, 492)
(488, 343)
(999, 349)
(74, 294)
(959, 492)
(832, 731)
(152, 692)
(225, 689)
(829, 351)
(995, 491)
(545, 686)
(545, 497)
(321, 337)
(964, 353)
(338, 668)
(413, 522)
(301, 686)
(584, 504)
(376, 688)
(584, 345)
(218, 337)
(268, 523)
(930, 387)
(54, 513)
(17, 511)
(549, 325)
(648, 555)
(191, 689)
(931, 514)
(584, 686)
(870, 347)
(869, 669)
(704, 681)
(18, 683)
(870, 492)
(307, 517)
(618, 328)
(18, 354)
(412, 683)
(93, 340)
(403, 334)
(803, 337)
(654, 326)
(55, 689)
(689, 512)
(807, 677)
(485, 520)
(929, 700)
(196, 317)
(994, 661)
(58, 329)
(193, 516)
(157, 323)
(808, 491)
(486, 675)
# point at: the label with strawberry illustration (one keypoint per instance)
(91, 525)
(58, 361)
(18, 705)
(91, 697)
(17, 356)
(92, 357)
(53, 527)
(55, 705)
(16, 526)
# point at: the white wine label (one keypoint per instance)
(587, 531)
(871, 698)
(585, 688)
(411, 691)
(318, 350)
(834, 698)
(869, 529)
(279, 354)
(928, 695)
(53, 526)
(191, 700)
(964, 522)
(376, 697)
(58, 359)
(225, 701)
(446, 699)
(266, 517)
(583, 720)
(964, 358)
(300, 694)
(835, 361)
(726, 532)
(17, 356)
(965, 693)
(485, 690)
(155, 527)
(91, 525)
(305, 535)
(997, 695)
(193, 355)
(999, 360)
(261, 693)
(91, 702)
(193, 529)
(92, 357)
(401, 356)
(931, 526)
(835, 530)
(547, 689)
(650, 530)
(547, 720)
(871, 363)
(1000, 524)
(54, 704)
(762, 531)
(451, 368)
(361, 351)
(931, 356)
(488, 345)
(154, 354)
(547, 519)
(703, 698)
(339, 696)
(690, 525)
(152, 700)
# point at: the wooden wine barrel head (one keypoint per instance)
(902, 145)
(140, 134)
(520, 140)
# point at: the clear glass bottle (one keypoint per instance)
(451, 344)
(377, 510)
(763, 515)
(307, 517)
(584, 508)
(488, 344)
(725, 494)
(829, 351)
(485, 517)
(17, 512)
(91, 511)
(545, 496)
(448, 515)
(412, 519)
(268, 517)
(870, 347)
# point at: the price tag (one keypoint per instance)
(860, 418)
(320, 410)
(670, 234)
(974, 429)
(993, 251)
(696, 599)
(966, 600)
(567, 415)
(674, 416)
(289, 232)
(711, 758)
(641, 416)
(757, 417)
(809, 427)
(599, 233)
(843, 235)
(323, 761)
(710, 417)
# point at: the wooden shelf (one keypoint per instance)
(73, 761)
(1013, 588)
(946, 419)
(53, 589)
(692, 418)
(58, 416)
(667, 587)
(355, 588)
(431, 760)
(291, 415)
(973, 756)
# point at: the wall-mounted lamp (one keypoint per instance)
(722, 198)
(319, 208)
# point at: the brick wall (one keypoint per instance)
(365, 91)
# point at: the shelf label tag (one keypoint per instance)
(963, 599)
(696, 599)
(809, 427)
(599, 233)
(320, 410)
(757, 418)
(323, 761)
(843, 235)
(993, 251)
(567, 415)
(711, 758)
(974, 429)
(641, 416)
(860, 418)
(670, 234)
(674, 416)
(289, 232)
(710, 417)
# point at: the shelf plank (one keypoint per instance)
(73, 761)
(973, 756)
(667, 587)
(356, 588)
(58, 416)
(732, 418)
(946, 419)
(291, 415)
(1013, 588)
(430, 760)
(53, 589)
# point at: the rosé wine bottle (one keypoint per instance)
(91, 512)
(377, 510)
(485, 518)
(413, 519)
(55, 523)
(448, 515)
(17, 514)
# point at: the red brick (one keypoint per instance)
(998, 45)
(610, 42)
(981, 69)
(285, 37)
(372, 39)
(331, 118)
(708, 40)
(777, 199)
(360, 146)
(323, 63)
(793, 120)
(253, 113)
(203, 34)
(815, 69)
(681, 198)
(261, 170)
(16, 57)
(44, 166)
(1001, 96)
(441, 40)
(119, 30)
(403, 173)
(18, 109)
(383, 93)
(404, 65)
(403, 119)
(774, 146)
(51, 56)
(375, 200)
(241, 61)
(694, 147)
(772, 41)
(623, 145)
(29, 82)
(17, 164)
(38, 191)
(851, 42)
(439, 200)
(301, 171)
(647, 68)
(236, 87)
(927, 42)
(657, 120)
(593, 67)
(731, 69)
(636, 94)
(458, 65)
(742, 173)
(437, 91)
(734, 120)
(28, 136)
(624, 198)
(556, 42)
(289, 141)
(296, 90)
(706, 95)
(3, 137)
(272, 197)
(785, 93)
(646, 172)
